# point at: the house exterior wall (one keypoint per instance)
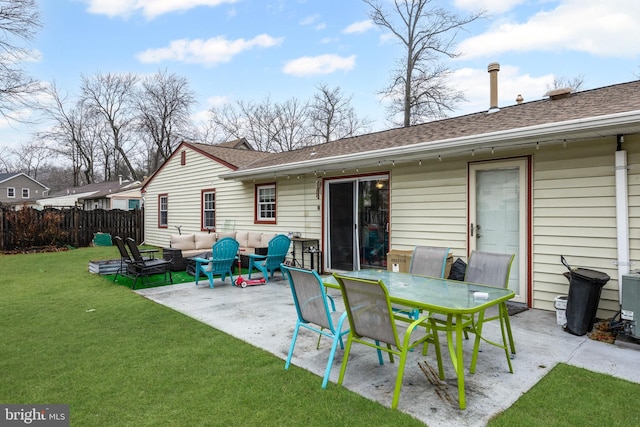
(573, 212)
(20, 182)
(297, 206)
(573, 207)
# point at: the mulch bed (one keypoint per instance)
(36, 250)
(601, 332)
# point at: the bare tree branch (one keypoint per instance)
(162, 105)
(19, 21)
(418, 89)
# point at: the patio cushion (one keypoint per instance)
(205, 240)
(186, 241)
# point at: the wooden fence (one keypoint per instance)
(29, 227)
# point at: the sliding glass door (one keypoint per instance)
(357, 222)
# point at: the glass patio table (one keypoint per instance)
(451, 298)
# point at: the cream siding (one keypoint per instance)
(574, 214)
(429, 206)
(296, 204)
(573, 207)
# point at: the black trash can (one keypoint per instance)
(585, 287)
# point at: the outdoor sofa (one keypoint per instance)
(184, 246)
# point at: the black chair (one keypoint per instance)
(125, 257)
(141, 267)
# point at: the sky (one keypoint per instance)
(247, 50)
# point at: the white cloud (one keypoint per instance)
(359, 27)
(474, 83)
(149, 8)
(209, 52)
(491, 6)
(322, 64)
(218, 101)
(309, 20)
(596, 27)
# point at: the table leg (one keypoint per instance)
(457, 355)
(512, 344)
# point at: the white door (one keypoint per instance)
(498, 194)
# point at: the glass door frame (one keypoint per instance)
(384, 179)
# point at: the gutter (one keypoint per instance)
(550, 133)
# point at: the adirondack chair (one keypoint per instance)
(277, 251)
(223, 256)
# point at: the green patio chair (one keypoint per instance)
(223, 256)
(313, 310)
(277, 251)
(371, 318)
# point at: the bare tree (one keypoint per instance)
(225, 123)
(162, 106)
(418, 88)
(19, 21)
(292, 121)
(574, 83)
(110, 96)
(332, 116)
(257, 122)
(5, 160)
(74, 133)
(31, 158)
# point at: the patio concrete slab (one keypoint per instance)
(264, 316)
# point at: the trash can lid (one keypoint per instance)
(593, 276)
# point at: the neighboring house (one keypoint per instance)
(541, 179)
(19, 189)
(119, 194)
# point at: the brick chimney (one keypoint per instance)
(493, 69)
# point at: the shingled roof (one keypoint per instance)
(576, 115)
(234, 158)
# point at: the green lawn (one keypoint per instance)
(118, 359)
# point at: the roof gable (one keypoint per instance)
(229, 157)
(5, 177)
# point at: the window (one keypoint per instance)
(134, 204)
(266, 203)
(208, 209)
(183, 158)
(11, 192)
(163, 210)
(25, 193)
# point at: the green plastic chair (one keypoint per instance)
(313, 310)
(223, 256)
(277, 251)
(371, 318)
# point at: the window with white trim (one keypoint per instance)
(208, 209)
(266, 203)
(11, 192)
(163, 210)
(25, 193)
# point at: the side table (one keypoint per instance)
(175, 256)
